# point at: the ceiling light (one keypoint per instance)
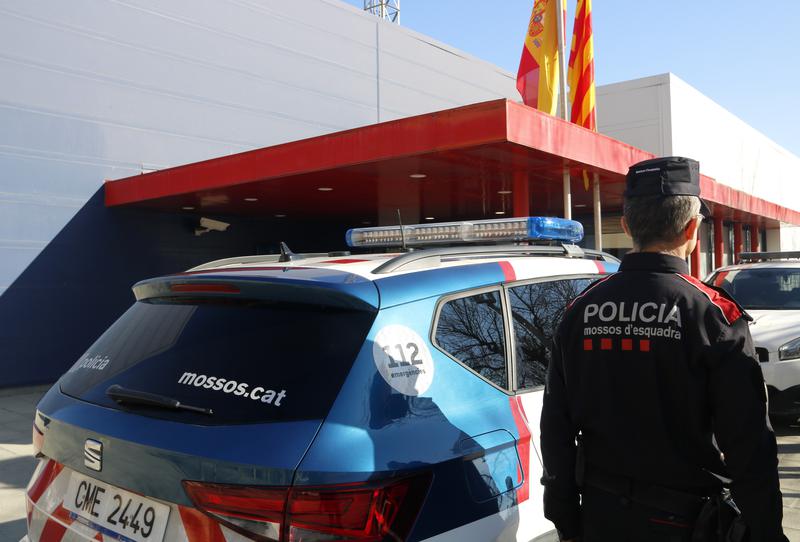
(417, 175)
(280, 216)
(187, 208)
(504, 192)
(499, 212)
(429, 217)
(251, 199)
(580, 205)
(366, 222)
(325, 189)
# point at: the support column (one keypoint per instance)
(522, 196)
(719, 247)
(755, 237)
(738, 241)
(567, 195)
(598, 214)
(694, 258)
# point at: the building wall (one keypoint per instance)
(97, 89)
(731, 151)
(666, 116)
(103, 89)
(637, 112)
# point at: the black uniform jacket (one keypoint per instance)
(659, 374)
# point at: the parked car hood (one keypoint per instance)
(772, 328)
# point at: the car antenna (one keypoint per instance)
(403, 248)
(286, 253)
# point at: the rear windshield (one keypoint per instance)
(248, 362)
(762, 288)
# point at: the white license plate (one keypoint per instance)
(114, 511)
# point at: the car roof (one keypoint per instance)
(772, 264)
(377, 280)
(522, 264)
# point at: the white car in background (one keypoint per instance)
(767, 284)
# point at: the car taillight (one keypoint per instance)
(369, 512)
(257, 511)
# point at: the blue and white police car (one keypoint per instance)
(309, 398)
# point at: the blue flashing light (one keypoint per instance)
(509, 230)
(555, 229)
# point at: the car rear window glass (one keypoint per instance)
(762, 288)
(249, 362)
(470, 329)
(536, 310)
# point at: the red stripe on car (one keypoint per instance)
(508, 271)
(524, 446)
(49, 473)
(56, 526)
(345, 260)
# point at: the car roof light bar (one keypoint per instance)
(755, 256)
(508, 230)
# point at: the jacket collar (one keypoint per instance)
(653, 261)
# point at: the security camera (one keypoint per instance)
(209, 224)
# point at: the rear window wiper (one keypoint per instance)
(136, 397)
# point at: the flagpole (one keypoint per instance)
(563, 98)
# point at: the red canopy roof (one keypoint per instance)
(475, 159)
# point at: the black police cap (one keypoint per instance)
(668, 176)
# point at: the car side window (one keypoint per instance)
(537, 309)
(470, 329)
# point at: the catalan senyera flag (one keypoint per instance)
(581, 68)
(581, 72)
(537, 78)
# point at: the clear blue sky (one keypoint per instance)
(743, 54)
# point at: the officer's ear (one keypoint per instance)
(690, 231)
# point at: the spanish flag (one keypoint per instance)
(581, 68)
(537, 78)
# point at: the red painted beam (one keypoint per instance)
(570, 142)
(434, 132)
(715, 192)
(527, 137)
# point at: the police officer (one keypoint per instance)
(654, 396)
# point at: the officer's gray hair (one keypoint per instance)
(659, 219)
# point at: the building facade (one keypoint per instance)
(99, 90)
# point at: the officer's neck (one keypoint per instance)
(681, 251)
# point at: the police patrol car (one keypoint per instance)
(315, 397)
(767, 284)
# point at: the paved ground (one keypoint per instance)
(16, 460)
(16, 464)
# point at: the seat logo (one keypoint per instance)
(93, 455)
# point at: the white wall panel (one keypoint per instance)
(637, 112)
(95, 89)
(730, 150)
(666, 116)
